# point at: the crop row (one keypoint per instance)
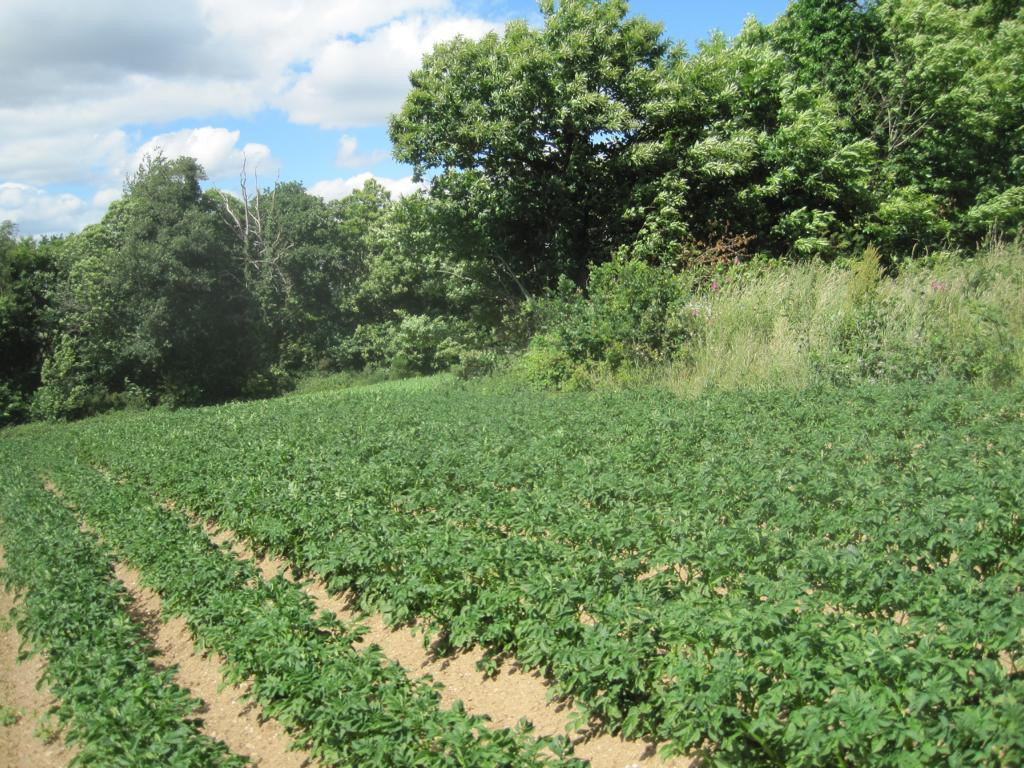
(345, 706)
(117, 708)
(774, 580)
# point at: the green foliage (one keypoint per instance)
(475, 363)
(635, 315)
(321, 382)
(963, 321)
(69, 389)
(346, 706)
(542, 124)
(28, 275)
(154, 306)
(894, 122)
(306, 261)
(9, 715)
(734, 575)
(998, 214)
(114, 707)
(760, 324)
(588, 148)
(413, 344)
(909, 217)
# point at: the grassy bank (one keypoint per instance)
(768, 325)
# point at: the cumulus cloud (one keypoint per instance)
(335, 189)
(71, 46)
(273, 34)
(60, 155)
(349, 155)
(38, 212)
(216, 149)
(80, 77)
(98, 66)
(358, 82)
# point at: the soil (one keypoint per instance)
(506, 698)
(20, 690)
(226, 715)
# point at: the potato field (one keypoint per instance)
(828, 577)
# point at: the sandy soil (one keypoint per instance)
(505, 698)
(226, 716)
(19, 746)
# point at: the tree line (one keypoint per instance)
(590, 148)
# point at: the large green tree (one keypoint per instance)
(155, 306)
(542, 124)
(28, 276)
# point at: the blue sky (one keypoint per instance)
(300, 88)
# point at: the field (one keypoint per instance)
(824, 577)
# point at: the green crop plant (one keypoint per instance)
(803, 580)
(114, 706)
(345, 706)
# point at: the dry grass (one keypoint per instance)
(791, 325)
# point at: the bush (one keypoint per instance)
(68, 391)
(475, 363)
(634, 316)
(13, 407)
(411, 344)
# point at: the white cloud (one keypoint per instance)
(216, 149)
(358, 82)
(272, 34)
(349, 155)
(79, 76)
(38, 212)
(104, 197)
(61, 156)
(335, 189)
(58, 48)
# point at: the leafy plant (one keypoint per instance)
(736, 576)
(9, 715)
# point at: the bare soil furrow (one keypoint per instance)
(29, 742)
(506, 698)
(226, 715)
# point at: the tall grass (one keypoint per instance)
(793, 325)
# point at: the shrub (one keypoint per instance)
(634, 316)
(410, 344)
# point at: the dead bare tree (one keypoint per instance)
(253, 220)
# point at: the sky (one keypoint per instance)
(296, 89)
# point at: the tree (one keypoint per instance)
(155, 307)
(543, 125)
(829, 44)
(28, 275)
(948, 98)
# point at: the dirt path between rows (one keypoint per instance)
(505, 698)
(226, 716)
(19, 745)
